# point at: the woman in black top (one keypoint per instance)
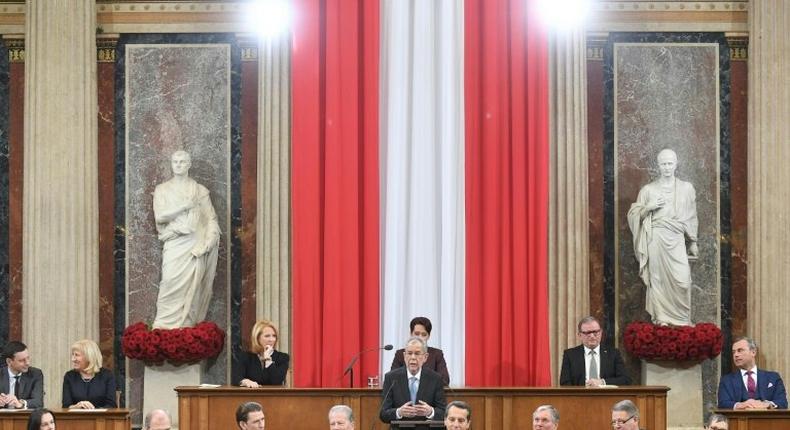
(88, 385)
(263, 365)
(41, 419)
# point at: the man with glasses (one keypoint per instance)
(625, 416)
(592, 364)
(413, 392)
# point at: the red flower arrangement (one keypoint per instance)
(178, 345)
(684, 343)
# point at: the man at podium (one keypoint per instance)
(413, 392)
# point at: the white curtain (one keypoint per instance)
(422, 175)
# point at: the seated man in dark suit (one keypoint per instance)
(413, 392)
(21, 386)
(592, 364)
(749, 387)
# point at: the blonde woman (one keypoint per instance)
(263, 365)
(88, 385)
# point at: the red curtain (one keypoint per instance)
(507, 138)
(335, 189)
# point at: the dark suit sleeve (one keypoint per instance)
(441, 367)
(727, 397)
(275, 373)
(398, 360)
(620, 376)
(565, 373)
(440, 402)
(780, 394)
(239, 369)
(109, 390)
(388, 407)
(36, 398)
(67, 400)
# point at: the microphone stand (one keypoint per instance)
(350, 367)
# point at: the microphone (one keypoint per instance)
(350, 367)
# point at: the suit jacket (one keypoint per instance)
(250, 367)
(610, 367)
(31, 386)
(434, 362)
(769, 387)
(395, 393)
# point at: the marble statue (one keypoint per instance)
(188, 228)
(663, 221)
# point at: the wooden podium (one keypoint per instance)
(110, 419)
(417, 425)
(773, 419)
(492, 408)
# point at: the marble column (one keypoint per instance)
(60, 202)
(768, 179)
(569, 264)
(273, 293)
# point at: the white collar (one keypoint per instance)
(753, 370)
(419, 373)
(597, 350)
(11, 374)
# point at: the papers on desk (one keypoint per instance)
(209, 385)
(88, 410)
(608, 386)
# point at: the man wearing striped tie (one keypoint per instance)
(592, 364)
(750, 387)
(413, 392)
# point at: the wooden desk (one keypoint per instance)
(111, 419)
(774, 419)
(492, 408)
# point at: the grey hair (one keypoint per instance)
(417, 340)
(626, 406)
(555, 414)
(586, 320)
(345, 409)
(751, 342)
(150, 415)
(716, 418)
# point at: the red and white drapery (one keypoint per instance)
(377, 237)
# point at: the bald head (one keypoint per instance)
(157, 419)
(667, 154)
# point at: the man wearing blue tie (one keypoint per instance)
(413, 392)
(749, 387)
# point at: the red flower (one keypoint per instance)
(179, 345)
(650, 342)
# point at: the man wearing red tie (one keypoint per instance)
(749, 387)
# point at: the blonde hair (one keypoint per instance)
(92, 354)
(257, 329)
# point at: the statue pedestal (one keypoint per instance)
(684, 400)
(159, 386)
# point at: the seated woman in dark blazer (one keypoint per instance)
(421, 327)
(263, 365)
(88, 385)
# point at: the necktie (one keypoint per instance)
(16, 386)
(413, 389)
(751, 386)
(593, 366)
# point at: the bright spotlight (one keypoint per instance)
(269, 18)
(564, 14)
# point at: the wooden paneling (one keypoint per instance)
(492, 408)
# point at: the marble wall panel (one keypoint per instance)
(174, 92)
(4, 202)
(668, 91)
(16, 155)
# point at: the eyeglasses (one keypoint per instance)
(616, 423)
(413, 353)
(591, 332)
